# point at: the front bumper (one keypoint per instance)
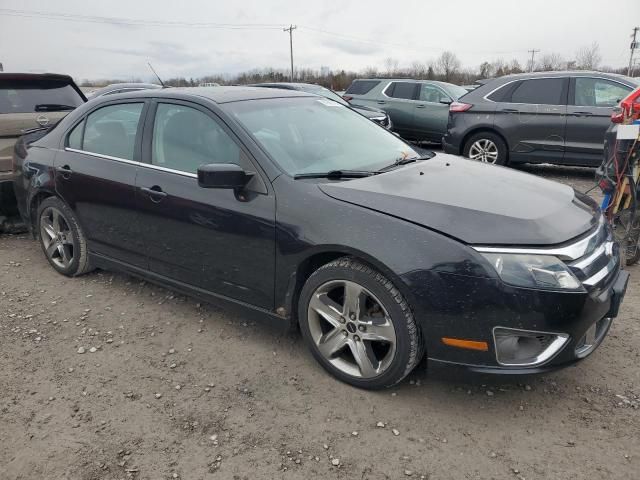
(490, 304)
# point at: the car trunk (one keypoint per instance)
(30, 101)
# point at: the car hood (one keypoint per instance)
(474, 202)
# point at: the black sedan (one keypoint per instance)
(297, 207)
(374, 114)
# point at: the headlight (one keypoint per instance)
(535, 271)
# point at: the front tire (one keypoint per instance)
(62, 239)
(358, 325)
(486, 147)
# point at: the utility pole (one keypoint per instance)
(290, 30)
(533, 54)
(634, 45)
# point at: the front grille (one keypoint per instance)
(600, 259)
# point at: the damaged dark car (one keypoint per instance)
(299, 208)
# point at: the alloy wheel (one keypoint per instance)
(56, 237)
(484, 150)
(351, 329)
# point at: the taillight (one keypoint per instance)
(347, 98)
(630, 107)
(459, 107)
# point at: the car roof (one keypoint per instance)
(219, 94)
(35, 76)
(562, 73)
(409, 80)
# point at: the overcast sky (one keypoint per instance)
(348, 34)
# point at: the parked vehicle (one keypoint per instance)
(374, 114)
(544, 117)
(419, 109)
(300, 208)
(27, 101)
(121, 88)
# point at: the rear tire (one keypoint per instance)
(62, 239)
(486, 147)
(358, 325)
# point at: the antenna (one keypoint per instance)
(156, 74)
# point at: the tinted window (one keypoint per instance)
(185, 138)
(503, 94)
(37, 96)
(112, 130)
(360, 87)
(315, 135)
(404, 90)
(597, 92)
(431, 93)
(543, 91)
(75, 137)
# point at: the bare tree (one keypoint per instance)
(551, 61)
(589, 58)
(391, 64)
(448, 65)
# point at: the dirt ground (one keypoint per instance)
(168, 388)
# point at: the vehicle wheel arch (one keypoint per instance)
(320, 257)
(474, 131)
(34, 203)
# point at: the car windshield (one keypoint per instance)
(456, 91)
(324, 92)
(316, 135)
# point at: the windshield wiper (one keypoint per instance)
(404, 161)
(337, 174)
(53, 107)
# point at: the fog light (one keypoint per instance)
(525, 348)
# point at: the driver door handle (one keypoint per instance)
(581, 114)
(155, 193)
(64, 171)
(420, 106)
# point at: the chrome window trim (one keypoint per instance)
(546, 104)
(546, 355)
(133, 162)
(570, 252)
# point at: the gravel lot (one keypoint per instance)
(168, 388)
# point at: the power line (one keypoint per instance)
(135, 22)
(290, 30)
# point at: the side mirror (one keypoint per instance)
(223, 175)
(446, 100)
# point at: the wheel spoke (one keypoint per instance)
(55, 221)
(326, 308)
(65, 258)
(47, 226)
(52, 248)
(379, 333)
(332, 342)
(360, 352)
(353, 299)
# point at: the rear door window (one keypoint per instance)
(598, 92)
(112, 130)
(431, 93)
(404, 90)
(28, 96)
(540, 91)
(361, 87)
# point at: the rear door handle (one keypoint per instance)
(582, 114)
(381, 102)
(64, 171)
(420, 106)
(155, 193)
(509, 110)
